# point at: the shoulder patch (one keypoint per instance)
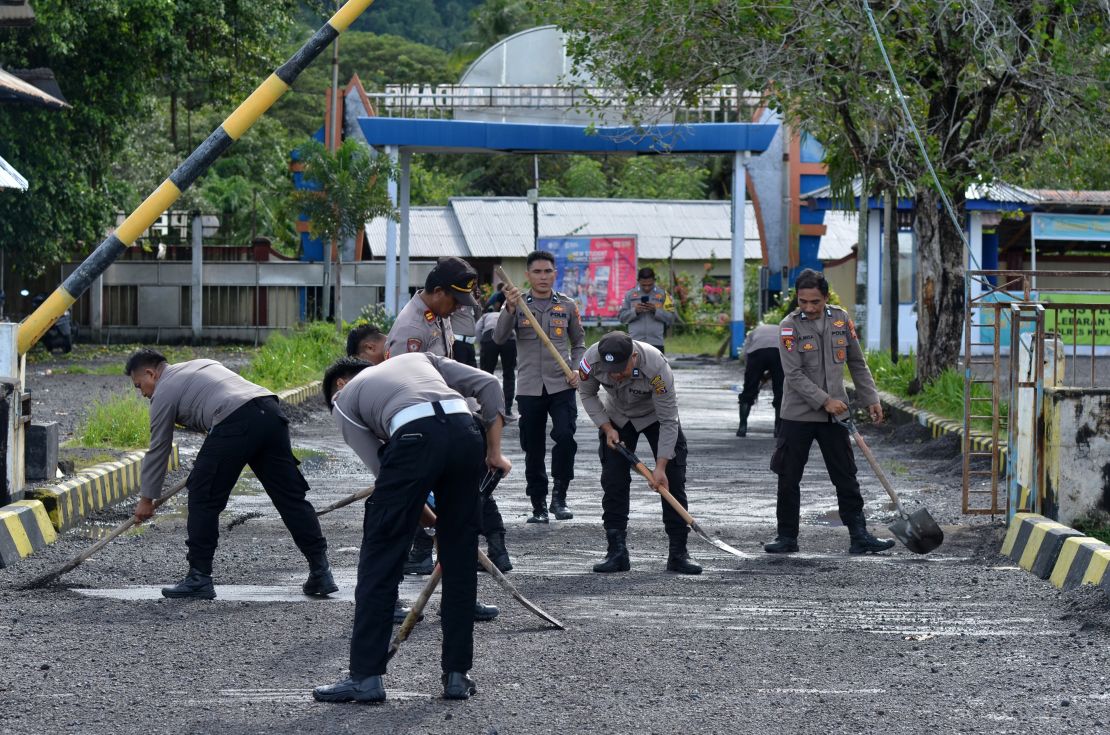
(584, 367)
(658, 384)
(852, 329)
(429, 316)
(414, 344)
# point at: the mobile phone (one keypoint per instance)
(644, 299)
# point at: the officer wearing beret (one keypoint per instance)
(639, 400)
(409, 422)
(816, 341)
(543, 389)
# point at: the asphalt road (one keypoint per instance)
(817, 642)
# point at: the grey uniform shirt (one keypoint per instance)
(463, 320)
(650, 326)
(763, 337)
(814, 353)
(198, 394)
(418, 329)
(646, 397)
(487, 323)
(365, 406)
(536, 367)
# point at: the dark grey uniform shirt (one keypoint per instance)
(536, 367)
(814, 353)
(463, 320)
(197, 394)
(647, 327)
(418, 329)
(364, 408)
(646, 397)
(763, 337)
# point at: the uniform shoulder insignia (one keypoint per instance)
(786, 334)
(429, 315)
(414, 345)
(659, 385)
(852, 329)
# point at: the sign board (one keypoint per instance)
(1084, 326)
(1077, 227)
(596, 271)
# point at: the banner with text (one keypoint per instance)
(595, 271)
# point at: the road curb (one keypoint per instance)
(300, 394)
(1083, 560)
(981, 441)
(94, 488)
(24, 529)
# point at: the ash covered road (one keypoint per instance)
(817, 642)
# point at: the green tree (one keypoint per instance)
(987, 83)
(584, 177)
(661, 177)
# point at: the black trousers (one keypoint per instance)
(447, 453)
(616, 479)
(464, 353)
(789, 461)
(491, 351)
(255, 434)
(534, 410)
(758, 363)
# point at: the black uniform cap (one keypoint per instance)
(456, 277)
(614, 350)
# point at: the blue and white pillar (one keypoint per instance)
(739, 195)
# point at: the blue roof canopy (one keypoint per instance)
(439, 136)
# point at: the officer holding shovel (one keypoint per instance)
(816, 341)
(639, 400)
(409, 422)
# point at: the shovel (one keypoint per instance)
(917, 531)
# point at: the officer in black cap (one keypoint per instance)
(640, 399)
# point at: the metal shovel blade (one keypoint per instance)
(918, 532)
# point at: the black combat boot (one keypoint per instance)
(559, 507)
(616, 558)
(457, 685)
(320, 582)
(496, 551)
(782, 545)
(539, 509)
(197, 585)
(420, 555)
(745, 409)
(862, 541)
(678, 560)
(401, 611)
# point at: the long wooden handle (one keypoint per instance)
(417, 610)
(562, 361)
(846, 421)
(346, 501)
(664, 493)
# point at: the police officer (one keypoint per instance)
(640, 400)
(367, 343)
(407, 419)
(761, 355)
(464, 325)
(245, 426)
(647, 310)
(490, 352)
(424, 325)
(543, 389)
(816, 341)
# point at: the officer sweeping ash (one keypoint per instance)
(640, 400)
(408, 421)
(424, 325)
(245, 426)
(816, 341)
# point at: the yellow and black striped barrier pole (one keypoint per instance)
(237, 123)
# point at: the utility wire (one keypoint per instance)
(917, 136)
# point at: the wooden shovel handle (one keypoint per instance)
(665, 494)
(850, 425)
(346, 501)
(562, 361)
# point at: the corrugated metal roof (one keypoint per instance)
(433, 233)
(1078, 198)
(997, 191)
(16, 13)
(501, 227)
(10, 178)
(14, 89)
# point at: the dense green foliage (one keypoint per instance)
(122, 422)
(295, 358)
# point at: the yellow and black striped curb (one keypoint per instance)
(981, 441)
(1035, 542)
(94, 488)
(24, 529)
(301, 393)
(1083, 560)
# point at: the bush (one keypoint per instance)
(375, 315)
(296, 358)
(943, 396)
(121, 422)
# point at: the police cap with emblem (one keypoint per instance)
(613, 350)
(456, 277)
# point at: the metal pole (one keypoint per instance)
(739, 195)
(237, 123)
(336, 250)
(404, 280)
(536, 203)
(197, 288)
(391, 305)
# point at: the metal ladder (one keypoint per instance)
(977, 500)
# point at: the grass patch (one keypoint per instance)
(121, 422)
(944, 396)
(110, 369)
(296, 358)
(1094, 529)
(682, 340)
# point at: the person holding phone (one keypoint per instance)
(647, 310)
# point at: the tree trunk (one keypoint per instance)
(940, 288)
